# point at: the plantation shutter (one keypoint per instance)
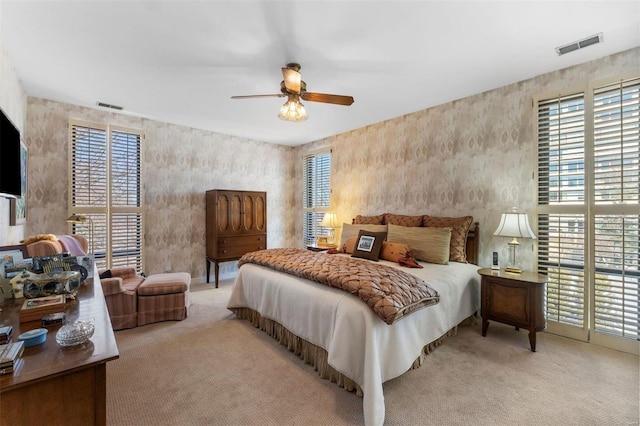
(617, 188)
(126, 193)
(105, 186)
(561, 186)
(561, 257)
(317, 194)
(89, 166)
(561, 151)
(589, 212)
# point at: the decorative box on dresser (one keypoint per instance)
(236, 223)
(514, 299)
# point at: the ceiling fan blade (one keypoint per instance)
(328, 99)
(275, 95)
(292, 79)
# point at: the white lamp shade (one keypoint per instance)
(514, 224)
(330, 220)
(293, 110)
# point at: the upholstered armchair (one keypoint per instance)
(48, 245)
(120, 287)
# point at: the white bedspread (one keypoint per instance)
(359, 344)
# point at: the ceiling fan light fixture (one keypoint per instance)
(293, 110)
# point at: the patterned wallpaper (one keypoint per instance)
(474, 156)
(179, 165)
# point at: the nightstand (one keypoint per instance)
(514, 299)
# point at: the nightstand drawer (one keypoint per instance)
(509, 303)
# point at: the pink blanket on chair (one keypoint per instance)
(71, 245)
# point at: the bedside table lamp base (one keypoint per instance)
(513, 266)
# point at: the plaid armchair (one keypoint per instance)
(120, 286)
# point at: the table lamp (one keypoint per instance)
(514, 225)
(330, 220)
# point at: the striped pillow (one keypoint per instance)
(459, 230)
(349, 231)
(427, 244)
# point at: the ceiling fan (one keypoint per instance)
(295, 89)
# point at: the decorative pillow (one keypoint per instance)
(350, 245)
(393, 252)
(106, 274)
(369, 220)
(71, 245)
(459, 230)
(349, 230)
(409, 261)
(369, 244)
(427, 244)
(402, 220)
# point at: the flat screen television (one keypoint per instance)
(10, 164)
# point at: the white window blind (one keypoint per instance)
(561, 151)
(561, 257)
(317, 194)
(561, 236)
(616, 192)
(105, 186)
(616, 276)
(616, 133)
(589, 211)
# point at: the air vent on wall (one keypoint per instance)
(580, 44)
(102, 104)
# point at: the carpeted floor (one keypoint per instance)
(212, 369)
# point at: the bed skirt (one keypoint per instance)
(317, 356)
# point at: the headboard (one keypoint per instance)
(473, 243)
(473, 236)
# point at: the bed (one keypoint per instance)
(342, 337)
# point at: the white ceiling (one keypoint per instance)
(181, 61)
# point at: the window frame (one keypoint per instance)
(315, 210)
(109, 210)
(590, 209)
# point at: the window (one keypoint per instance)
(105, 186)
(589, 212)
(317, 194)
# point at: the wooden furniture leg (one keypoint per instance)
(532, 339)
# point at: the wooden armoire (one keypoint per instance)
(236, 223)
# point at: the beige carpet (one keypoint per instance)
(212, 369)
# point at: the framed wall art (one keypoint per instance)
(18, 206)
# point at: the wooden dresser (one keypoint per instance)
(60, 385)
(236, 223)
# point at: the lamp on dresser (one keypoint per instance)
(514, 225)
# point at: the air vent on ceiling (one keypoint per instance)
(105, 105)
(580, 44)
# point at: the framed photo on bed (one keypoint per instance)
(365, 243)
